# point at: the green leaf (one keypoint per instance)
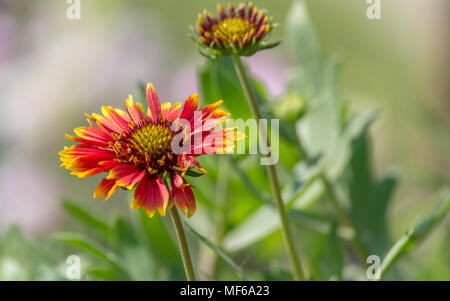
(335, 164)
(412, 238)
(319, 129)
(194, 174)
(219, 80)
(367, 198)
(324, 253)
(84, 243)
(220, 253)
(318, 223)
(265, 220)
(270, 45)
(257, 226)
(85, 217)
(304, 176)
(102, 274)
(304, 45)
(132, 252)
(156, 233)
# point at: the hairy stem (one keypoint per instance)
(182, 243)
(274, 184)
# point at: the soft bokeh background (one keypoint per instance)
(52, 70)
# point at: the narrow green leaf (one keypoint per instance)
(85, 217)
(257, 226)
(414, 236)
(84, 243)
(220, 253)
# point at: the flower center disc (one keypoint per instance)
(231, 27)
(151, 141)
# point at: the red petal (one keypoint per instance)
(92, 136)
(218, 142)
(189, 107)
(111, 114)
(135, 114)
(185, 161)
(182, 194)
(171, 112)
(106, 123)
(207, 110)
(152, 194)
(126, 175)
(153, 103)
(105, 188)
(85, 160)
(84, 149)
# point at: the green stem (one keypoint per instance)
(287, 234)
(182, 243)
(345, 219)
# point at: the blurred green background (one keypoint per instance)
(52, 70)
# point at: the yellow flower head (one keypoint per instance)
(242, 31)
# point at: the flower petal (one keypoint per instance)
(185, 161)
(126, 175)
(152, 194)
(92, 136)
(105, 188)
(111, 114)
(153, 103)
(85, 160)
(218, 142)
(182, 194)
(189, 107)
(133, 110)
(170, 112)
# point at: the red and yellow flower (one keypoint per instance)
(135, 148)
(241, 31)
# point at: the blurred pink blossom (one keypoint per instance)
(270, 67)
